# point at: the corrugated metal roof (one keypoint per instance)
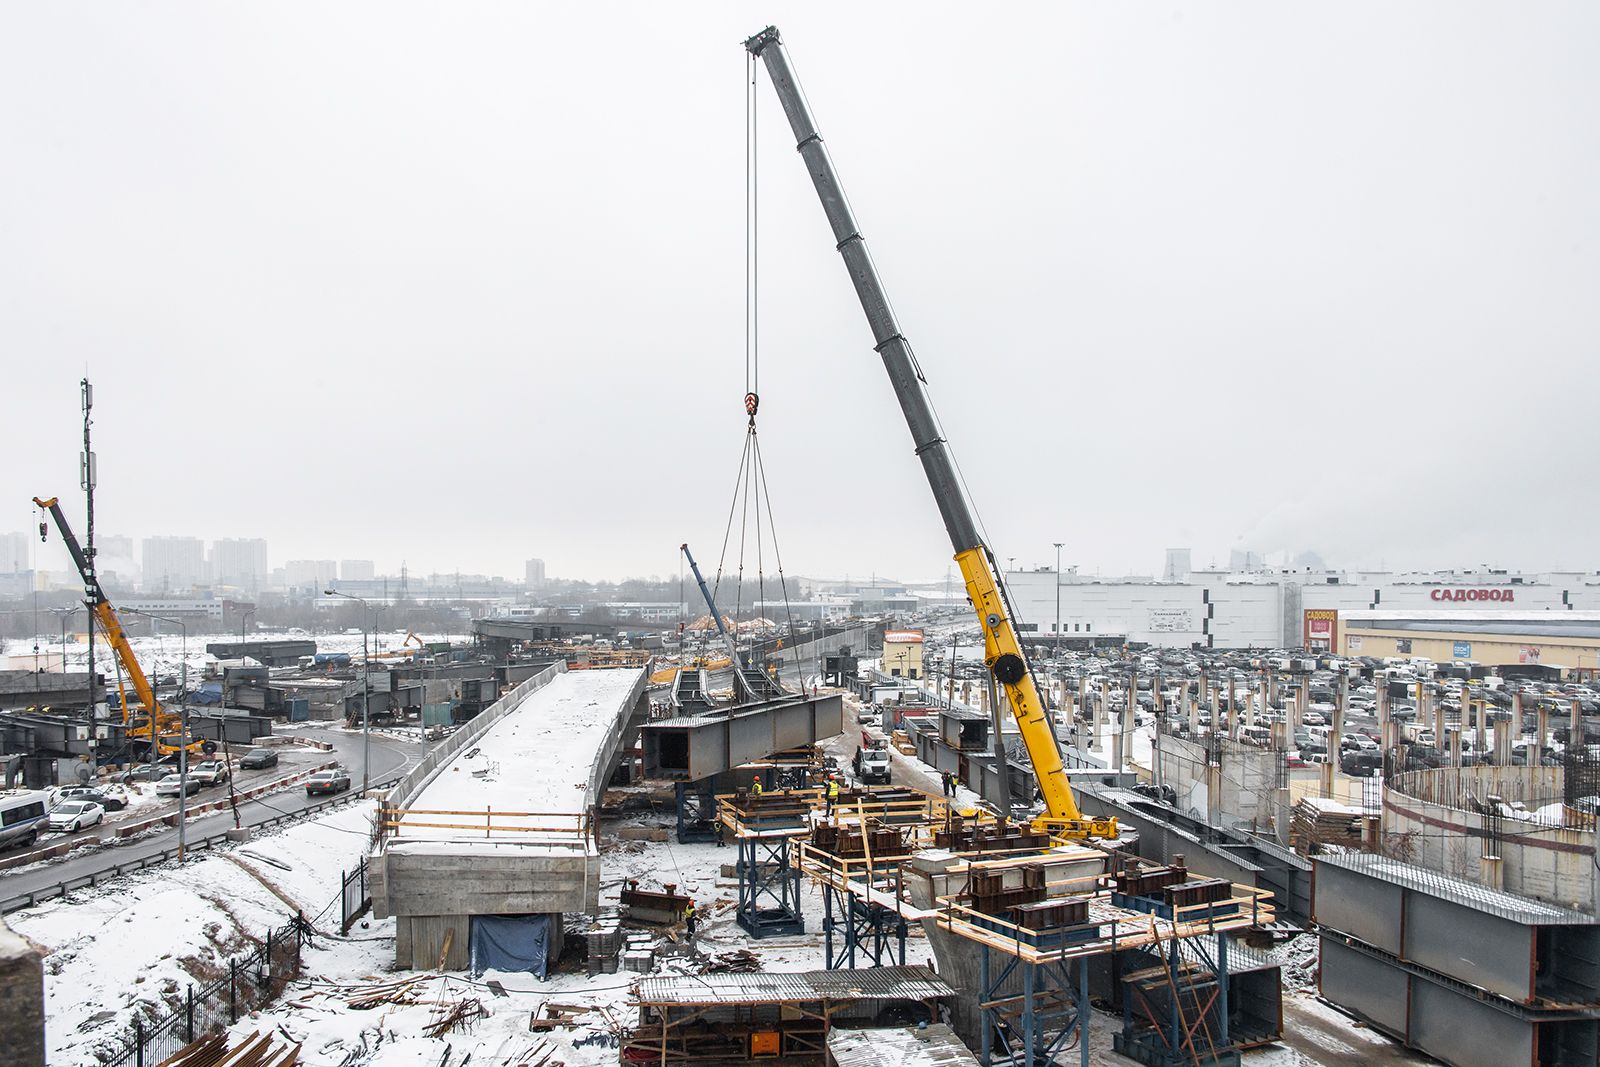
(932, 1046)
(875, 983)
(1509, 906)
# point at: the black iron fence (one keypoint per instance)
(249, 981)
(355, 896)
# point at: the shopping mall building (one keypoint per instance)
(1489, 614)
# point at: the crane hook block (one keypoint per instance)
(751, 402)
(1009, 668)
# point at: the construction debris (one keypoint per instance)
(451, 1017)
(256, 1050)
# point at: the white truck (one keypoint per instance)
(872, 758)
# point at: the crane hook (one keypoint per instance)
(751, 403)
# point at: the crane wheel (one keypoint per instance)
(1009, 669)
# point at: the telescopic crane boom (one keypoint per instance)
(162, 730)
(1003, 651)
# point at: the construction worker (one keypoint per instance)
(833, 792)
(949, 782)
(756, 787)
(688, 918)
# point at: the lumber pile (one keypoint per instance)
(1316, 823)
(256, 1050)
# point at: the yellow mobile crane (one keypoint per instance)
(1003, 651)
(154, 725)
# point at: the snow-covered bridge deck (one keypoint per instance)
(506, 825)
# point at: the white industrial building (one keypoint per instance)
(1272, 609)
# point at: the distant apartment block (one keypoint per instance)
(356, 570)
(172, 563)
(308, 573)
(239, 561)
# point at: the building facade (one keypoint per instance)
(240, 562)
(170, 564)
(1276, 609)
(902, 653)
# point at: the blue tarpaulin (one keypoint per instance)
(511, 943)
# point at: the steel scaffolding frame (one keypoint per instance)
(769, 887)
(870, 929)
(1043, 1020)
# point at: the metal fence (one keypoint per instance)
(355, 896)
(249, 981)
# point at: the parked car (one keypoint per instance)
(211, 772)
(172, 784)
(73, 815)
(1361, 764)
(147, 772)
(257, 758)
(334, 781)
(90, 794)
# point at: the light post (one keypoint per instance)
(242, 620)
(183, 736)
(366, 686)
(1058, 545)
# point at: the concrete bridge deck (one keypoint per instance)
(505, 824)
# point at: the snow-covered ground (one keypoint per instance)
(134, 944)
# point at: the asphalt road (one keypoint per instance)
(389, 757)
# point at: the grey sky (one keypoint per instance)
(463, 284)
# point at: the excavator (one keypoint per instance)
(1003, 651)
(152, 725)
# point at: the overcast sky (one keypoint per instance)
(463, 284)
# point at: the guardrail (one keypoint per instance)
(410, 783)
(210, 841)
(573, 829)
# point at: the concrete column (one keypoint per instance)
(1575, 735)
(1438, 725)
(1494, 871)
(1125, 737)
(1482, 717)
(1455, 744)
(1541, 729)
(1250, 706)
(1191, 710)
(1341, 697)
(1502, 742)
(1293, 712)
(1272, 688)
(1381, 683)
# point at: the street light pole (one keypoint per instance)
(242, 620)
(1058, 598)
(183, 736)
(366, 687)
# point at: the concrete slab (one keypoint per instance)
(506, 825)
